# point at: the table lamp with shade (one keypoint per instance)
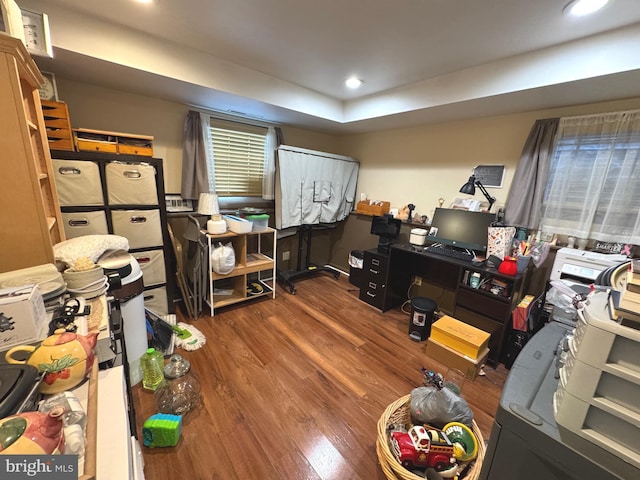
(208, 205)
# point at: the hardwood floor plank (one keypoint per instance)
(292, 388)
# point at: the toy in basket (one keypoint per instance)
(398, 413)
(429, 433)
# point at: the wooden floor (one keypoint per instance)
(293, 387)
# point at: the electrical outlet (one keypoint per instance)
(286, 255)
(417, 281)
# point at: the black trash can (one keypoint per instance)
(356, 270)
(422, 311)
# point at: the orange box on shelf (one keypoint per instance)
(374, 208)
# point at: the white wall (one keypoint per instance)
(419, 165)
(415, 165)
(112, 110)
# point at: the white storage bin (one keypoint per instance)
(599, 341)
(131, 184)
(611, 428)
(78, 224)
(598, 396)
(152, 265)
(155, 299)
(238, 224)
(77, 182)
(141, 227)
(590, 383)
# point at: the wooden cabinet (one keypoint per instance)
(30, 221)
(58, 125)
(489, 306)
(112, 142)
(255, 254)
(447, 281)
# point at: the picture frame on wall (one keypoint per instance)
(37, 35)
(49, 89)
(11, 19)
(491, 176)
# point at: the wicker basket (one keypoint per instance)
(398, 412)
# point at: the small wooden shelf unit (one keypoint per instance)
(255, 254)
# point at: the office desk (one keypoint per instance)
(447, 281)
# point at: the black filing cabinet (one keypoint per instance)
(375, 280)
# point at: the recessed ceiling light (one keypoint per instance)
(579, 8)
(353, 82)
(144, 1)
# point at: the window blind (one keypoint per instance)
(238, 156)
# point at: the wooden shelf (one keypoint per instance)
(113, 142)
(251, 260)
(30, 218)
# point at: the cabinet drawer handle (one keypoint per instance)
(375, 261)
(375, 272)
(69, 171)
(78, 222)
(372, 295)
(138, 219)
(132, 174)
(373, 285)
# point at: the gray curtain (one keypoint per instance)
(194, 159)
(279, 137)
(524, 201)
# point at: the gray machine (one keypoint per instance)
(525, 443)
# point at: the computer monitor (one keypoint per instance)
(461, 228)
(387, 229)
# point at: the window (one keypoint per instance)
(238, 154)
(592, 190)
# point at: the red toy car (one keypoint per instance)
(424, 448)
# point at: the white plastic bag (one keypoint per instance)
(223, 259)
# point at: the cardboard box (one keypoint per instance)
(470, 367)
(521, 313)
(23, 319)
(376, 209)
(461, 337)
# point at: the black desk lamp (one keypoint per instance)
(470, 189)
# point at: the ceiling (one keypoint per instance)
(287, 60)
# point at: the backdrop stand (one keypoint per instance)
(288, 277)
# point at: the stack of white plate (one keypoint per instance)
(47, 277)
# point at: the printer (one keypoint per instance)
(578, 269)
(582, 267)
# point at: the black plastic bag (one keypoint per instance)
(439, 406)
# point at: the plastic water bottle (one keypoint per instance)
(74, 420)
(74, 414)
(152, 363)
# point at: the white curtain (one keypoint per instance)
(313, 187)
(268, 180)
(594, 180)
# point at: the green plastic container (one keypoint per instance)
(260, 222)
